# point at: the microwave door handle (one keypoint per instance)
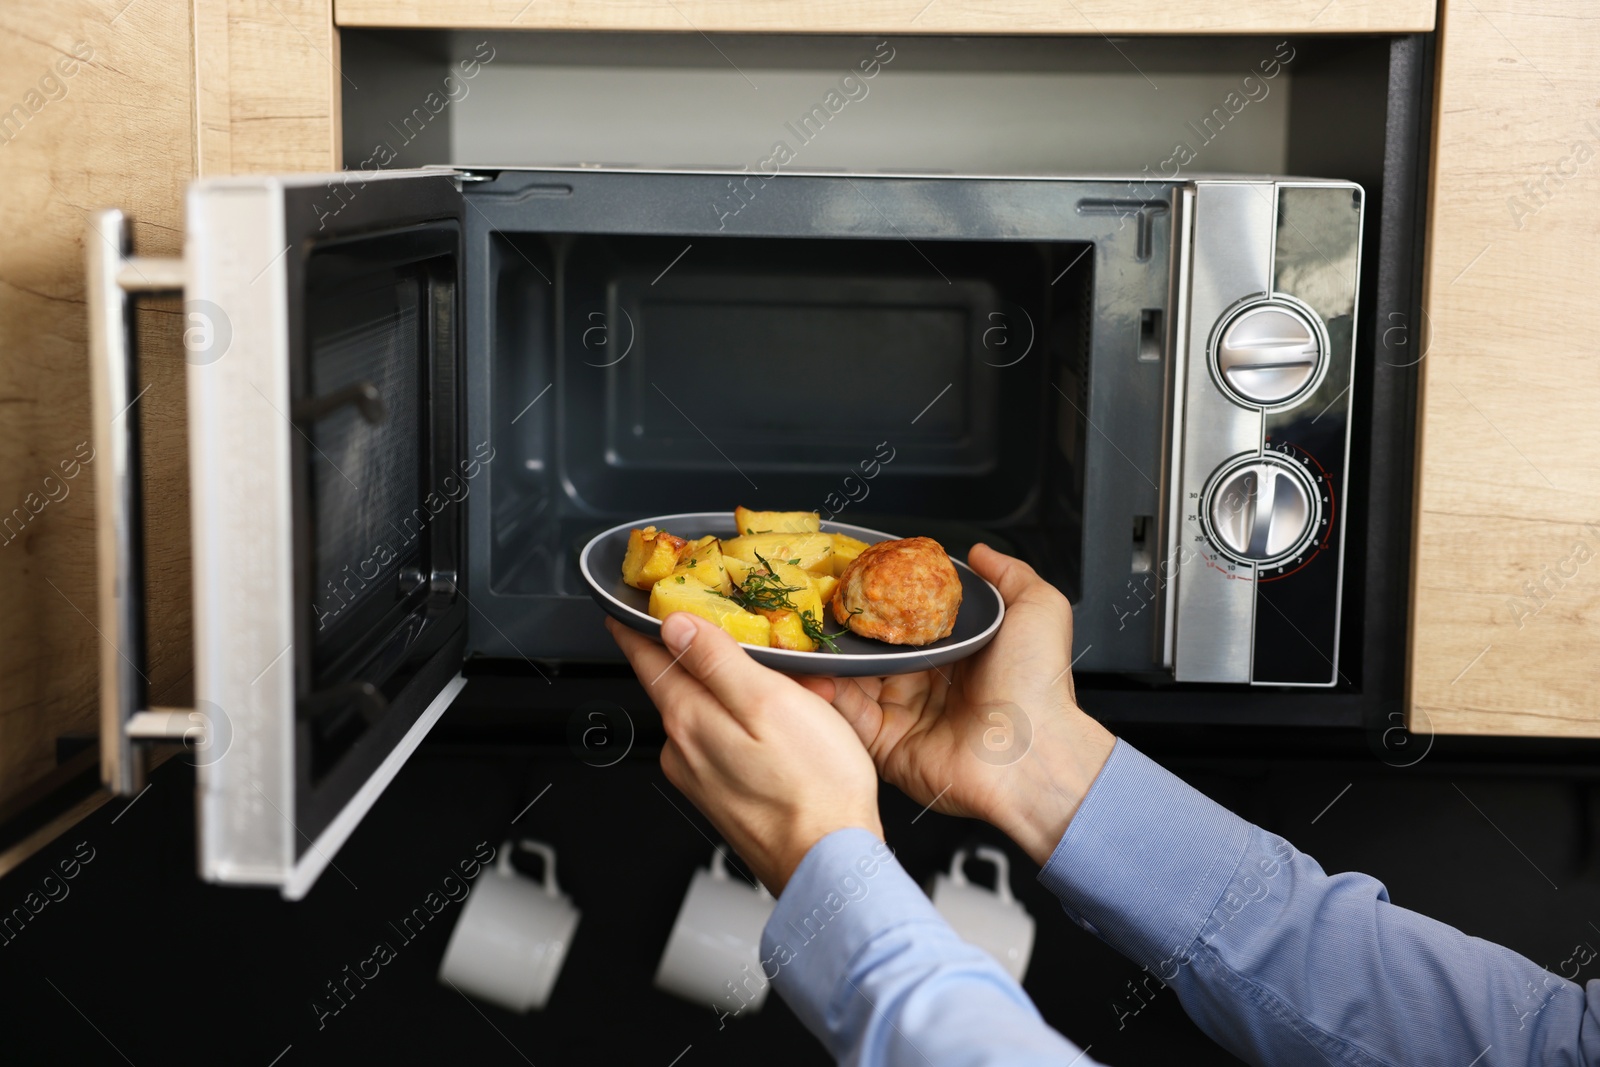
(1177, 384)
(114, 275)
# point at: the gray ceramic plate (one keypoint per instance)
(979, 618)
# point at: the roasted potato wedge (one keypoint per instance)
(788, 588)
(801, 592)
(788, 631)
(758, 522)
(737, 568)
(812, 552)
(786, 596)
(680, 593)
(702, 561)
(651, 556)
(826, 584)
(845, 549)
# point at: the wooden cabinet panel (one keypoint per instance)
(1506, 620)
(267, 86)
(899, 16)
(100, 107)
(112, 129)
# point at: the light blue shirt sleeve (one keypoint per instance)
(1284, 964)
(861, 956)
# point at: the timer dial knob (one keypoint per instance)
(1262, 510)
(1269, 352)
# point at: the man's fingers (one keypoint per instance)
(855, 699)
(691, 715)
(873, 685)
(858, 709)
(819, 684)
(1007, 573)
(674, 765)
(714, 658)
(642, 653)
(825, 686)
(648, 659)
(675, 693)
(1016, 580)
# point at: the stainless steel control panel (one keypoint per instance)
(1260, 430)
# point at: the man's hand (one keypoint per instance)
(770, 764)
(1000, 737)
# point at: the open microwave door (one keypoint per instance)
(327, 467)
(327, 472)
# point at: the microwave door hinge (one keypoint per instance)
(114, 275)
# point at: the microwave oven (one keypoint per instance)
(414, 395)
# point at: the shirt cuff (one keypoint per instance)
(1145, 859)
(847, 890)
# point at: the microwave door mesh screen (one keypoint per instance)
(366, 477)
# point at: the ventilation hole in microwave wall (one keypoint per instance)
(1143, 558)
(1150, 335)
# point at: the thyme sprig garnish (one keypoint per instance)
(765, 591)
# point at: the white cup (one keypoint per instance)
(990, 919)
(513, 934)
(714, 951)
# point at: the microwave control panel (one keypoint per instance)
(1267, 290)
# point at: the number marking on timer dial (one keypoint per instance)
(1266, 511)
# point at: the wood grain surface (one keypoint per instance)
(267, 78)
(899, 16)
(102, 103)
(116, 131)
(1506, 620)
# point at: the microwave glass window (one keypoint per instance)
(366, 459)
(378, 528)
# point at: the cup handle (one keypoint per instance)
(502, 865)
(543, 851)
(1002, 870)
(719, 871)
(958, 864)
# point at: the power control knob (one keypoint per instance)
(1269, 352)
(1262, 510)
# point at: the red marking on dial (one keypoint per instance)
(1326, 484)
